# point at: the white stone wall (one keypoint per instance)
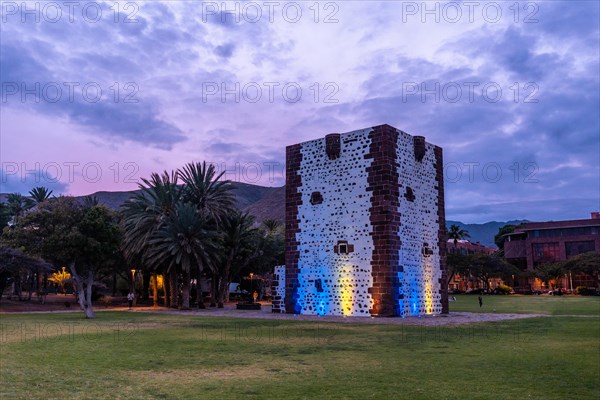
(343, 215)
(338, 284)
(418, 225)
(278, 290)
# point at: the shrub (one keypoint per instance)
(584, 291)
(106, 300)
(503, 289)
(475, 291)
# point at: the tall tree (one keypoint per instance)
(487, 266)
(90, 201)
(456, 233)
(203, 188)
(457, 264)
(212, 198)
(17, 206)
(5, 215)
(499, 238)
(238, 247)
(64, 232)
(585, 263)
(14, 263)
(145, 214)
(550, 273)
(39, 194)
(184, 242)
(271, 226)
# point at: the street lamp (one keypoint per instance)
(251, 290)
(132, 280)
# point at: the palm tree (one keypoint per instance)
(90, 201)
(18, 205)
(204, 189)
(237, 248)
(212, 198)
(271, 226)
(456, 233)
(144, 215)
(183, 242)
(5, 215)
(39, 194)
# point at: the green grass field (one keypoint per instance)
(123, 355)
(550, 305)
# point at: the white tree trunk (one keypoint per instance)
(89, 312)
(84, 296)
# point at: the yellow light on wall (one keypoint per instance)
(159, 281)
(346, 293)
(428, 298)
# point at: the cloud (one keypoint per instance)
(16, 180)
(383, 71)
(111, 109)
(531, 210)
(225, 50)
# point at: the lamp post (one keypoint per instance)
(571, 281)
(132, 280)
(251, 288)
(133, 284)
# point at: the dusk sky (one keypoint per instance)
(96, 95)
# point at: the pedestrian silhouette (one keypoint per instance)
(480, 301)
(130, 298)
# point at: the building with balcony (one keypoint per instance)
(535, 243)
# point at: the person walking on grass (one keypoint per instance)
(480, 299)
(130, 299)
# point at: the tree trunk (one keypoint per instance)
(185, 292)
(166, 293)
(84, 291)
(214, 291)
(223, 284)
(29, 286)
(226, 294)
(223, 281)
(18, 287)
(155, 291)
(114, 284)
(2, 284)
(174, 291)
(199, 294)
(145, 285)
(89, 312)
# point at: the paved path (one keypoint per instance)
(454, 318)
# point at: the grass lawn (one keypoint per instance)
(123, 355)
(551, 305)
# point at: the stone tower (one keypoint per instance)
(365, 226)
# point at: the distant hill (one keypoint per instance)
(269, 202)
(262, 202)
(272, 205)
(483, 233)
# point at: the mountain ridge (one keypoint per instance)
(269, 203)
